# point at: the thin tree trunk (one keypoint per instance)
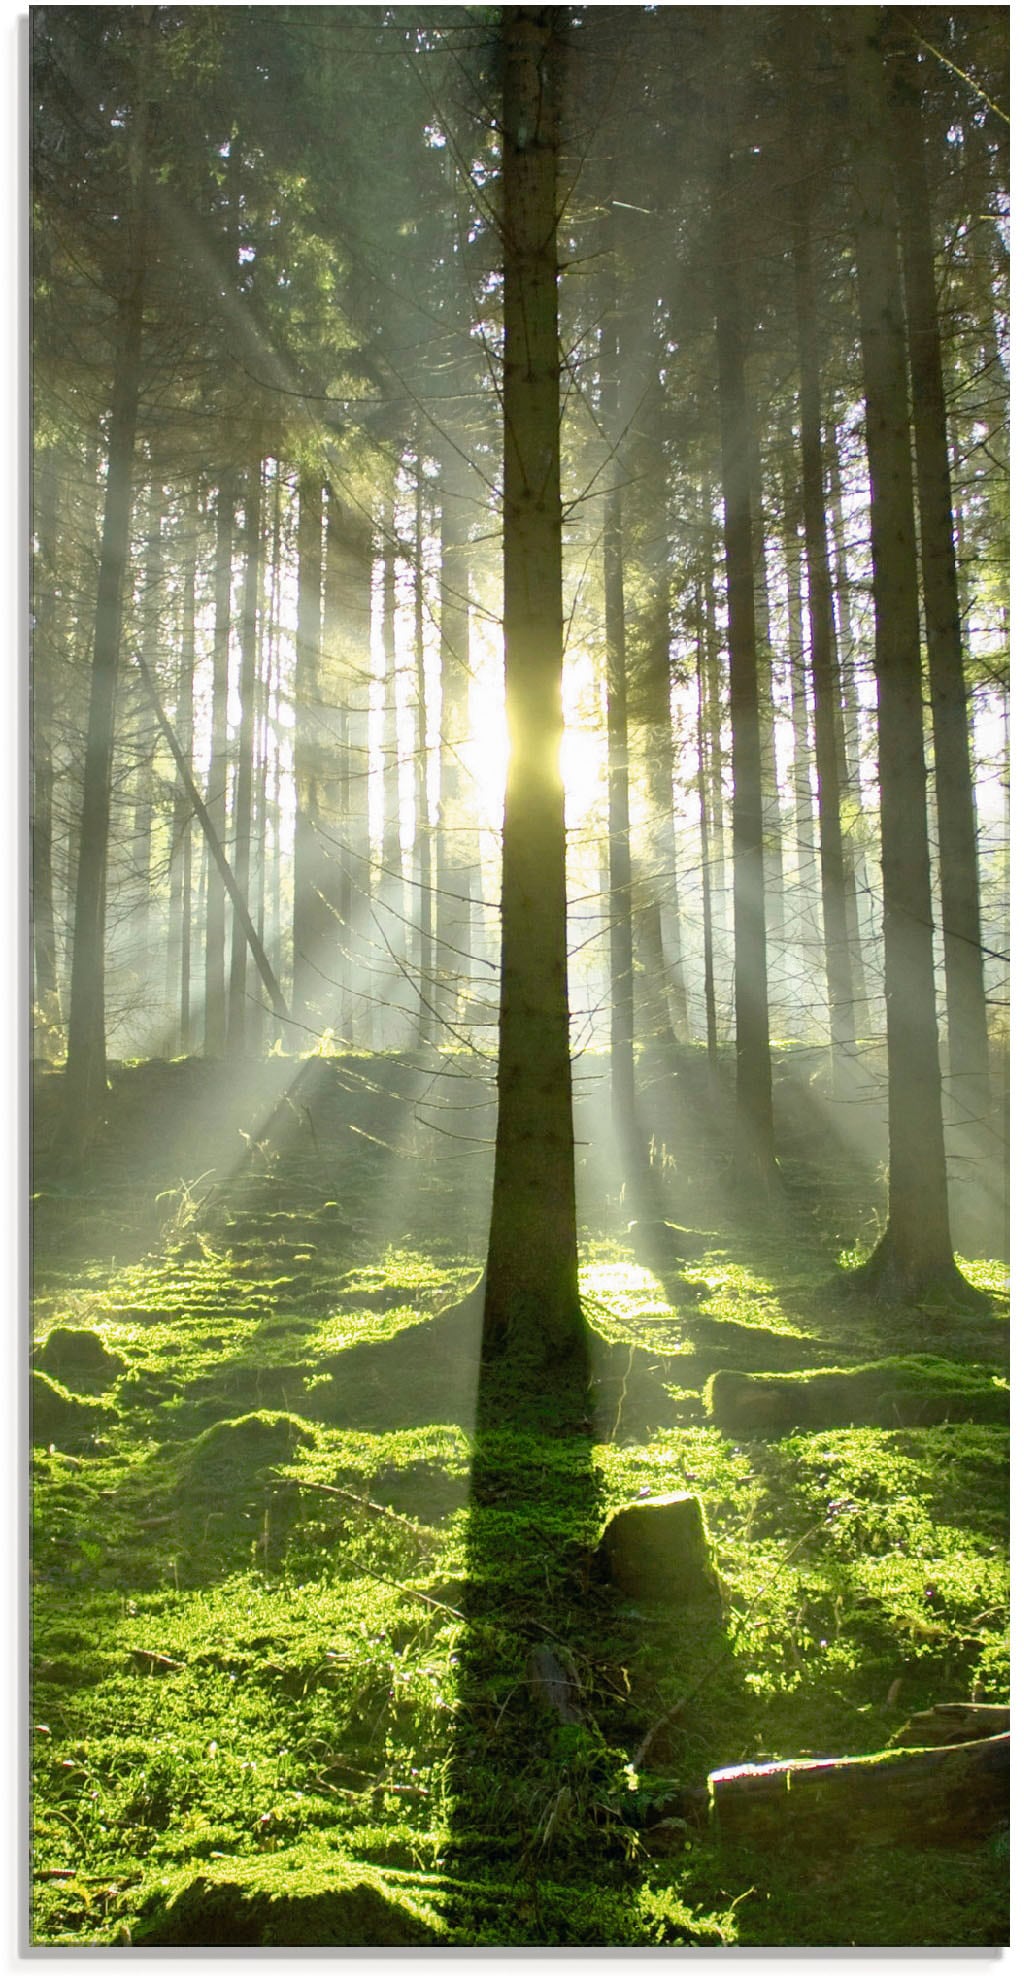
(954, 787)
(179, 929)
(531, 1293)
(215, 1005)
(824, 670)
(310, 936)
(755, 1150)
(809, 934)
(231, 885)
(707, 920)
(86, 1074)
(44, 939)
(620, 882)
(252, 543)
(914, 1258)
(458, 860)
(424, 835)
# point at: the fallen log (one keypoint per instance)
(951, 1794)
(953, 1722)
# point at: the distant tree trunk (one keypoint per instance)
(531, 1293)
(147, 626)
(755, 1149)
(713, 758)
(391, 902)
(86, 1074)
(707, 920)
(252, 546)
(774, 890)
(458, 859)
(914, 1258)
(954, 787)
(347, 675)
(424, 835)
(620, 881)
(44, 938)
(824, 670)
(848, 742)
(809, 923)
(310, 937)
(215, 1006)
(653, 697)
(179, 924)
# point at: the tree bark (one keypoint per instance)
(252, 546)
(824, 668)
(309, 934)
(86, 1073)
(948, 1795)
(755, 1150)
(230, 882)
(620, 881)
(44, 940)
(914, 1258)
(214, 1004)
(954, 787)
(531, 1289)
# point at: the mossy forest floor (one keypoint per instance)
(292, 1572)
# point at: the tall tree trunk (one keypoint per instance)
(86, 1074)
(310, 934)
(807, 905)
(954, 787)
(252, 545)
(424, 835)
(653, 697)
(774, 889)
(824, 669)
(214, 1001)
(848, 737)
(914, 1258)
(707, 918)
(620, 881)
(44, 939)
(347, 668)
(458, 855)
(531, 1292)
(147, 625)
(179, 918)
(755, 1149)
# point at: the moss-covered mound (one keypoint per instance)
(916, 1391)
(233, 1453)
(284, 1903)
(61, 1417)
(78, 1358)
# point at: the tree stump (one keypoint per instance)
(658, 1549)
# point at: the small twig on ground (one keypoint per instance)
(376, 1509)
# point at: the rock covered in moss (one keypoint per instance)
(658, 1549)
(61, 1417)
(78, 1358)
(237, 1450)
(284, 1903)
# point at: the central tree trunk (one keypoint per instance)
(531, 1293)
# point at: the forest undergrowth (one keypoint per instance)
(297, 1578)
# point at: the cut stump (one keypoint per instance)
(658, 1549)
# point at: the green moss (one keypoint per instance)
(284, 1902)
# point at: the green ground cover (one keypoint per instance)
(291, 1572)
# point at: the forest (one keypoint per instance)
(519, 832)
